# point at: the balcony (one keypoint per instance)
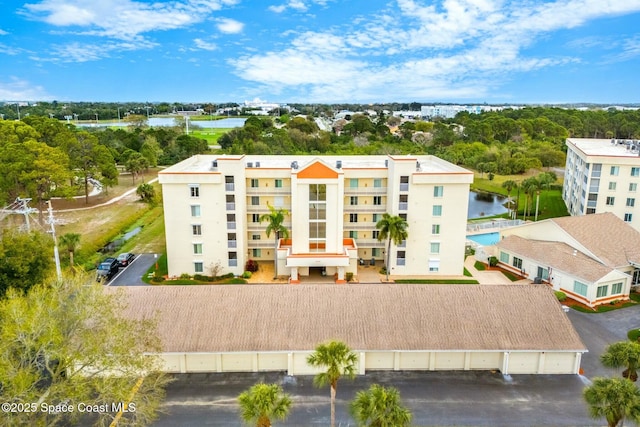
(266, 191)
(265, 208)
(404, 186)
(232, 243)
(359, 226)
(370, 243)
(229, 186)
(364, 208)
(233, 263)
(255, 244)
(255, 226)
(403, 206)
(231, 206)
(371, 191)
(231, 225)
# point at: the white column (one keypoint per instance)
(505, 363)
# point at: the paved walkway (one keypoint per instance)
(489, 277)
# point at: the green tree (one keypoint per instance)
(615, 399)
(623, 354)
(25, 260)
(509, 185)
(275, 220)
(392, 229)
(70, 241)
(380, 407)
(136, 164)
(338, 360)
(147, 193)
(67, 341)
(262, 402)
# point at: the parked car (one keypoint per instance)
(107, 269)
(126, 258)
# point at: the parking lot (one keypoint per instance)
(133, 273)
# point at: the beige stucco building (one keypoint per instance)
(602, 175)
(390, 327)
(213, 205)
(595, 259)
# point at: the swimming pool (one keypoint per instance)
(485, 239)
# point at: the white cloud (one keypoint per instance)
(443, 49)
(3, 32)
(17, 89)
(204, 45)
(297, 5)
(230, 26)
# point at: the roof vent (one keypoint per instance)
(257, 164)
(338, 164)
(250, 164)
(386, 163)
(294, 165)
(214, 164)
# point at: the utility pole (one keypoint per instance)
(56, 254)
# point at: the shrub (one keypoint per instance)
(634, 334)
(383, 270)
(251, 266)
(349, 276)
(157, 279)
(246, 275)
(228, 276)
(202, 278)
(561, 296)
(185, 276)
(493, 261)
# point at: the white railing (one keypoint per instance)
(365, 190)
(478, 226)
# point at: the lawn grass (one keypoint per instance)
(438, 281)
(466, 272)
(510, 276)
(210, 135)
(480, 266)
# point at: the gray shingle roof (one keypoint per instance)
(557, 255)
(379, 317)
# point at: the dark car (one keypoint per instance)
(126, 258)
(107, 269)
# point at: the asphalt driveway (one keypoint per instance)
(133, 273)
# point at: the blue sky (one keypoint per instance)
(465, 51)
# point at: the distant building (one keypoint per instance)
(213, 205)
(602, 175)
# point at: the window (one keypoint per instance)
(231, 202)
(229, 183)
(232, 240)
(375, 234)
(278, 183)
(353, 183)
(504, 257)
(580, 288)
(403, 216)
(612, 185)
(517, 262)
(353, 217)
(628, 217)
(231, 221)
(318, 192)
(616, 288)
(437, 210)
(255, 217)
(610, 201)
(256, 253)
(435, 247)
(195, 210)
(196, 230)
(377, 200)
(615, 170)
(633, 186)
(377, 183)
(602, 291)
(376, 217)
(403, 205)
(400, 258)
(317, 217)
(198, 267)
(255, 200)
(255, 237)
(404, 183)
(631, 202)
(255, 183)
(353, 200)
(635, 171)
(435, 229)
(434, 265)
(375, 252)
(353, 234)
(197, 248)
(543, 273)
(194, 190)
(438, 191)
(233, 259)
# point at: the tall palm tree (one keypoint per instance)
(339, 360)
(509, 185)
(275, 218)
(623, 354)
(613, 398)
(392, 228)
(262, 402)
(530, 186)
(70, 241)
(380, 407)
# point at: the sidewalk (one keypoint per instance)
(487, 277)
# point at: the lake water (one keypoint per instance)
(485, 204)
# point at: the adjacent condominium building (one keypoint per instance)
(602, 175)
(213, 205)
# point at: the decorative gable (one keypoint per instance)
(317, 170)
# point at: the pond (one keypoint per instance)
(485, 204)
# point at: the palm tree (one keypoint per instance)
(380, 407)
(509, 185)
(530, 186)
(392, 228)
(339, 360)
(275, 218)
(623, 354)
(70, 241)
(613, 398)
(262, 402)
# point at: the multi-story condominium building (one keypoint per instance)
(602, 175)
(213, 205)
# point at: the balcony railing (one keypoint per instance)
(253, 244)
(265, 208)
(264, 191)
(231, 206)
(232, 243)
(229, 186)
(364, 208)
(400, 261)
(233, 263)
(231, 225)
(365, 190)
(370, 243)
(359, 226)
(403, 206)
(404, 187)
